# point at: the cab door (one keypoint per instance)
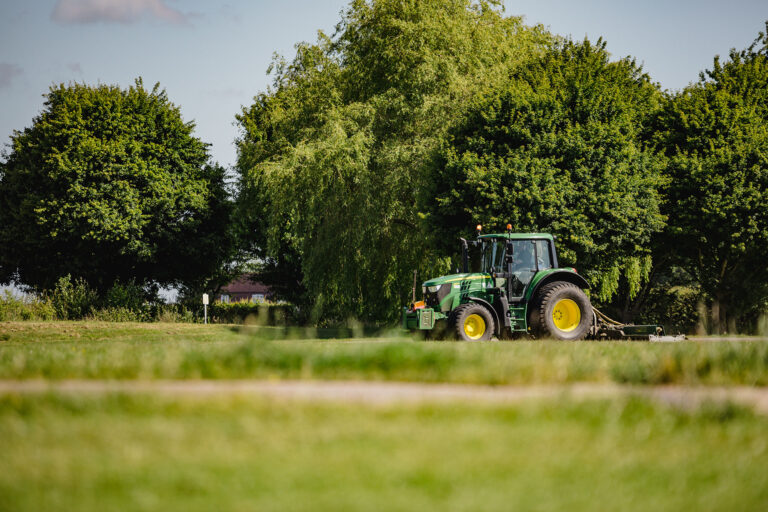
(528, 258)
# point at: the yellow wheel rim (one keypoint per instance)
(566, 315)
(474, 327)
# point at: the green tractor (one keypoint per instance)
(520, 289)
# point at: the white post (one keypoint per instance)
(205, 308)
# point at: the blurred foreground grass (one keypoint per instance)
(138, 452)
(186, 351)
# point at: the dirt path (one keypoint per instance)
(365, 392)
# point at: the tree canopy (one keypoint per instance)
(331, 158)
(558, 148)
(715, 133)
(110, 185)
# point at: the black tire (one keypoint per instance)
(472, 322)
(561, 311)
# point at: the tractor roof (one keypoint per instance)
(520, 236)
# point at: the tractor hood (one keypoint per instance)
(445, 293)
(455, 278)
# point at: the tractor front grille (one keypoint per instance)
(433, 298)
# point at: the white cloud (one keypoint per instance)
(7, 73)
(114, 11)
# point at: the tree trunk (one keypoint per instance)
(719, 315)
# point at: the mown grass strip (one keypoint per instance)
(171, 351)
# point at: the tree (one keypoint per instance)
(558, 148)
(715, 133)
(110, 185)
(330, 158)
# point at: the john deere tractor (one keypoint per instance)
(520, 289)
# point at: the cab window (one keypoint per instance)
(543, 254)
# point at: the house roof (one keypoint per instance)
(243, 284)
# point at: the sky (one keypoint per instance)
(212, 57)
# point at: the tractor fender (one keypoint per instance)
(561, 275)
(487, 305)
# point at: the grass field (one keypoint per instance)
(179, 351)
(142, 452)
(116, 452)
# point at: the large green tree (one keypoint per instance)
(558, 148)
(331, 157)
(110, 184)
(715, 133)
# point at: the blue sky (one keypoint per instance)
(212, 57)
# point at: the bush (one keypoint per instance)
(109, 314)
(676, 307)
(72, 299)
(252, 312)
(174, 313)
(24, 308)
(126, 296)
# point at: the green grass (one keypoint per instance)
(187, 351)
(140, 452)
(117, 452)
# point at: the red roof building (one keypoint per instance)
(243, 289)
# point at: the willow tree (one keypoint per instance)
(332, 155)
(559, 148)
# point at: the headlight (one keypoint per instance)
(433, 289)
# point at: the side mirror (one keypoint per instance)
(510, 251)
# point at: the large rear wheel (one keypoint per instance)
(472, 322)
(562, 311)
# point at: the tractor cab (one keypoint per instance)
(514, 259)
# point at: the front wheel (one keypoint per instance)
(562, 311)
(473, 322)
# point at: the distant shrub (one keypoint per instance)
(676, 307)
(250, 312)
(126, 295)
(173, 313)
(24, 308)
(116, 315)
(72, 299)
